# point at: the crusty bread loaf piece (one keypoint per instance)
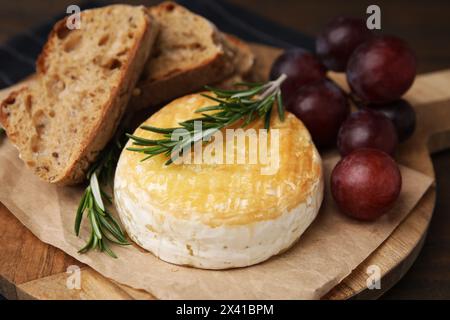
(243, 61)
(189, 53)
(85, 77)
(244, 58)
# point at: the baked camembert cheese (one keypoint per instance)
(219, 216)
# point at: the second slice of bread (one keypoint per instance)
(190, 52)
(61, 121)
(244, 61)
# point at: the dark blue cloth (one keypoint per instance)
(247, 25)
(18, 55)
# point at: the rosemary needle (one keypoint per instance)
(255, 100)
(104, 228)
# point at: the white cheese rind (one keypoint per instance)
(218, 216)
(192, 243)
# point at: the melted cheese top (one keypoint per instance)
(222, 194)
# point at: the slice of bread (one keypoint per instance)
(189, 53)
(244, 58)
(85, 77)
(243, 61)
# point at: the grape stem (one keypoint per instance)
(358, 103)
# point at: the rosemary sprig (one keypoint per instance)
(255, 100)
(104, 228)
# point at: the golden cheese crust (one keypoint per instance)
(223, 194)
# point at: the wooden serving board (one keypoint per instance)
(30, 269)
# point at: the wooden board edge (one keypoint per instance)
(64, 286)
(354, 286)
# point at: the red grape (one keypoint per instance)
(322, 107)
(339, 39)
(301, 68)
(401, 114)
(381, 70)
(367, 129)
(366, 183)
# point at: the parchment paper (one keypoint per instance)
(327, 252)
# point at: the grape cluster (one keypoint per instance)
(380, 69)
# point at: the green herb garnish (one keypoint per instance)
(104, 228)
(256, 100)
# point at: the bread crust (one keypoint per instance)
(244, 58)
(156, 92)
(244, 61)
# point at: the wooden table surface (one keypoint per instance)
(424, 24)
